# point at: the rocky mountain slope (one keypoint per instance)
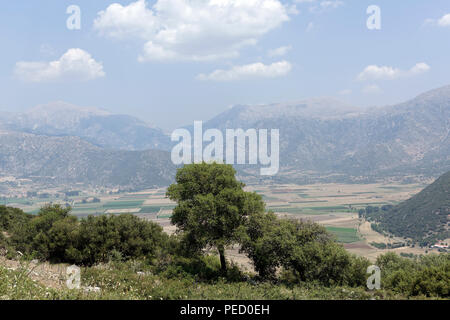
(70, 160)
(321, 140)
(97, 126)
(326, 136)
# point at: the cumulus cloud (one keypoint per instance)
(192, 29)
(419, 68)
(75, 64)
(442, 22)
(374, 72)
(249, 71)
(278, 52)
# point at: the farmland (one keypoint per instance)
(333, 205)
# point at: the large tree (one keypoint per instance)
(212, 206)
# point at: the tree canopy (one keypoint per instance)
(212, 206)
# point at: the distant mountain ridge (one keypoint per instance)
(321, 140)
(97, 126)
(405, 139)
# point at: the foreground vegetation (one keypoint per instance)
(136, 280)
(129, 258)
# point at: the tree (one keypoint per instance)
(305, 250)
(45, 235)
(262, 242)
(212, 206)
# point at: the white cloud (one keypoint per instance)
(331, 4)
(292, 9)
(372, 89)
(374, 72)
(75, 64)
(326, 5)
(249, 71)
(444, 21)
(192, 29)
(278, 52)
(419, 68)
(310, 27)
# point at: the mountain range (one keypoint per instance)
(99, 127)
(327, 138)
(321, 139)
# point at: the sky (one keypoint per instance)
(170, 62)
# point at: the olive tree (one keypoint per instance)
(212, 206)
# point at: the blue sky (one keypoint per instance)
(171, 62)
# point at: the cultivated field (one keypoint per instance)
(333, 205)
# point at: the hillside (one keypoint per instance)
(321, 140)
(325, 137)
(97, 126)
(424, 217)
(69, 160)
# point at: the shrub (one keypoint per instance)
(46, 235)
(304, 249)
(424, 275)
(262, 240)
(126, 234)
(12, 218)
(56, 236)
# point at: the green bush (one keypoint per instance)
(424, 275)
(55, 236)
(12, 219)
(48, 235)
(305, 250)
(262, 240)
(100, 238)
(3, 240)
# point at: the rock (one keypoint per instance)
(92, 289)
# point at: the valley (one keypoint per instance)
(333, 205)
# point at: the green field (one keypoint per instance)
(309, 201)
(333, 208)
(123, 204)
(344, 235)
(291, 210)
(165, 216)
(150, 209)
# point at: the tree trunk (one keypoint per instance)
(223, 262)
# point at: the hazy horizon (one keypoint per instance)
(136, 57)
